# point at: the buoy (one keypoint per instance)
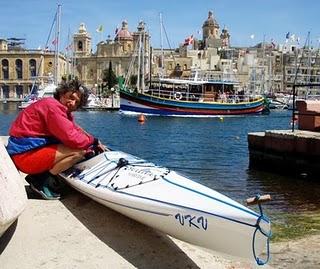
(295, 120)
(141, 118)
(221, 119)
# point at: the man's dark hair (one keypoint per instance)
(72, 86)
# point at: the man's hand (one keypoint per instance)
(101, 148)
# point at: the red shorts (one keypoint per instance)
(37, 160)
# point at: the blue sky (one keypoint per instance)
(271, 19)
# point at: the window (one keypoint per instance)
(19, 91)
(80, 45)
(19, 68)
(33, 67)
(5, 69)
(5, 90)
(178, 68)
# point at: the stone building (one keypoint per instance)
(259, 69)
(211, 33)
(120, 52)
(20, 68)
(205, 54)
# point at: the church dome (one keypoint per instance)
(123, 33)
(82, 28)
(211, 21)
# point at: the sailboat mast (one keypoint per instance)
(270, 80)
(56, 46)
(139, 63)
(68, 53)
(143, 61)
(161, 44)
(150, 60)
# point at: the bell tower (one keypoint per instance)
(210, 30)
(82, 42)
(3, 44)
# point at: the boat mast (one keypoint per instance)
(308, 80)
(139, 63)
(69, 55)
(161, 45)
(262, 72)
(143, 61)
(270, 80)
(56, 46)
(150, 60)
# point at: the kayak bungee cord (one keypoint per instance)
(266, 234)
(122, 162)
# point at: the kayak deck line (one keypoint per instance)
(118, 190)
(155, 178)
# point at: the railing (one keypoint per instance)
(200, 97)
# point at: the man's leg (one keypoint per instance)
(65, 158)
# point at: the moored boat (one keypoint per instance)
(209, 94)
(190, 97)
(101, 103)
(165, 200)
(47, 91)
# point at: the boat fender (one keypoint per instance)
(178, 96)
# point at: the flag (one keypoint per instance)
(55, 41)
(225, 42)
(69, 47)
(288, 35)
(99, 29)
(252, 36)
(188, 40)
(273, 45)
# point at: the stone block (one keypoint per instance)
(309, 115)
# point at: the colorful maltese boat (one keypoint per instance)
(184, 97)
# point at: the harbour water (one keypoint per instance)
(212, 151)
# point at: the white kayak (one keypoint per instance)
(167, 201)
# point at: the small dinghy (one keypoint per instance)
(167, 201)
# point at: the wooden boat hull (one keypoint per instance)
(171, 203)
(143, 103)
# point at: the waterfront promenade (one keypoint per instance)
(77, 232)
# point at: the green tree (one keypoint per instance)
(133, 80)
(109, 80)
